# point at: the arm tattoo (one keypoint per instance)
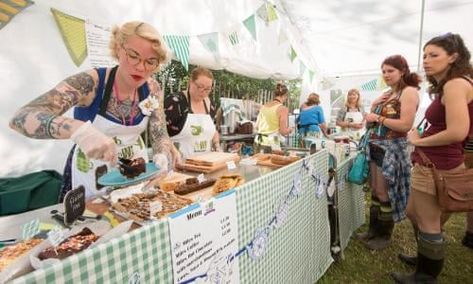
(158, 134)
(42, 118)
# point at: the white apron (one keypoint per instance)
(354, 117)
(86, 171)
(196, 135)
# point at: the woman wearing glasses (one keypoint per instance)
(190, 116)
(113, 106)
(449, 72)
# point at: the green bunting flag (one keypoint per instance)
(370, 85)
(250, 25)
(301, 68)
(292, 54)
(272, 15)
(72, 30)
(233, 37)
(210, 42)
(180, 46)
(311, 75)
(262, 12)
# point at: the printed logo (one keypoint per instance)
(196, 130)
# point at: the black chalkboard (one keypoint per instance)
(74, 205)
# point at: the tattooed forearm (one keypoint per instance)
(41, 118)
(159, 137)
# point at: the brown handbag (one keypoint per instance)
(454, 190)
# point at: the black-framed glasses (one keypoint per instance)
(133, 58)
(202, 88)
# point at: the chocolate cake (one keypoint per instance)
(70, 246)
(132, 168)
(193, 184)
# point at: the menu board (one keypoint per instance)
(204, 239)
(98, 37)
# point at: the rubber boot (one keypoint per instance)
(430, 258)
(468, 240)
(374, 212)
(410, 260)
(384, 229)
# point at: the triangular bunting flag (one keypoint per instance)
(282, 37)
(262, 12)
(233, 38)
(250, 25)
(180, 46)
(272, 15)
(72, 30)
(10, 8)
(370, 85)
(292, 54)
(210, 42)
(311, 75)
(302, 68)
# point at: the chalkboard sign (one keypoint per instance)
(74, 205)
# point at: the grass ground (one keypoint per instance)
(361, 265)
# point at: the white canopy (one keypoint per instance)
(286, 39)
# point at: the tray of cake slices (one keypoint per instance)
(208, 162)
(76, 240)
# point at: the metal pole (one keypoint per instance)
(420, 35)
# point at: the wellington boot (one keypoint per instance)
(383, 236)
(468, 240)
(413, 277)
(408, 259)
(371, 233)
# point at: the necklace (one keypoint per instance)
(133, 105)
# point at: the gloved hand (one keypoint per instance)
(95, 144)
(162, 161)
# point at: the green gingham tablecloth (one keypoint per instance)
(351, 213)
(297, 252)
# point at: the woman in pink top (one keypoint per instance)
(449, 71)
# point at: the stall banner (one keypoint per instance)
(203, 237)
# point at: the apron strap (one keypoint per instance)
(190, 106)
(108, 91)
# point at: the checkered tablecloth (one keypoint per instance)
(297, 252)
(351, 214)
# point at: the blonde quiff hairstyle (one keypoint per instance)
(358, 101)
(121, 34)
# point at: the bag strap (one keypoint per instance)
(425, 159)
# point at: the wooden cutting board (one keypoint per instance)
(265, 160)
(212, 158)
(209, 162)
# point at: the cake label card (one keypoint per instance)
(231, 165)
(56, 236)
(74, 205)
(204, 241)
(155, 207)
(30, 229)
(201, 178)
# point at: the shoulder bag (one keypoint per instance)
(359, 170)
(454, 190)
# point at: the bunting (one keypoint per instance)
(272, 15)
(210, 42)
(301, 68)
(233, 37)
(370, 85)
(292, 54)
(250, 25)
(72, 30)
(180, 46)
(10, 8)
(311, 75)
(262, 12)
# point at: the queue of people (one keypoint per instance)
(113, 106)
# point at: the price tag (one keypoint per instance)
(30, 229)
(231, 165)
(155, 207)
(56, 236)
(74, 205)
(201, 178)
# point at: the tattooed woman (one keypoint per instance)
(113, 106)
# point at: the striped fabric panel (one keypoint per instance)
(370, 86)
(180, 46)
(10, 8)
(233, 37)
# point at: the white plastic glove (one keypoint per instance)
(95, 144)
(162, 161)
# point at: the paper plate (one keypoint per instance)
(115, 178)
